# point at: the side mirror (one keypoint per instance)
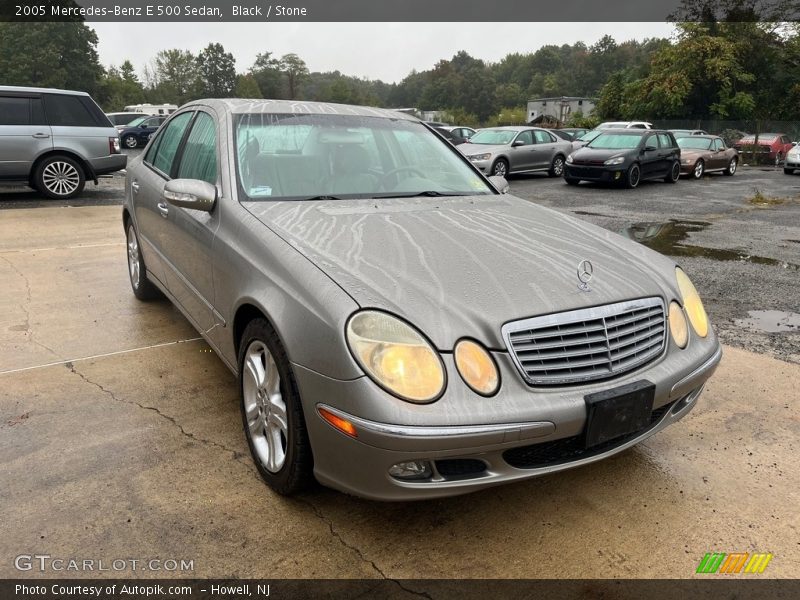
(518, 143)
(191, 193)
(650, 148)
(500, 184)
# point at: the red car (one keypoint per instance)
(775, 145)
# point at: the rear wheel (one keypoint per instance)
(732, 166)
(557, 167)
(674, 173)
(59, 177)
(699, 169)
(633, 176)
(272, 413)
(500, 167)
(788, 171)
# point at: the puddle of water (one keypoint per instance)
(587, 213)
(771, 321)
(668, 238)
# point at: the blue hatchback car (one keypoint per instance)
(138, 131)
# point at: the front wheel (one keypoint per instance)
(272, 413)
(572, 181)
(788, 171)
(130, 141)
(142, 287)
(557, 167)
(699, 169)
(732, 166)
(633, 176)
(59, 177)
(500, 167)
(674, 173)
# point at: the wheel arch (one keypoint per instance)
(88, 172)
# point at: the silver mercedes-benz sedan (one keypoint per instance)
(400, 327)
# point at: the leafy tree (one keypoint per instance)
(216, 71)
(247, 87)
(59, 55)
(120, 87)
(173, 76)
(295, 72)
(267, 73)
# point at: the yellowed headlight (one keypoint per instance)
(678, 326)
(476, 367)
(396, 356)
(692, 304)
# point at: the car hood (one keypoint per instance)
(464, 266)
(598, 155)
(468, 148)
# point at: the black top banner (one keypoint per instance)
(445, 11)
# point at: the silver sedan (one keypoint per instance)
(504, 151)
(399, 326)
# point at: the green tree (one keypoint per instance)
(216, 71)
(59, 55)
(267, 73)
(247, 87)
(173, 77)
(295, 72)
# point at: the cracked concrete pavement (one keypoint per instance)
(120, 437)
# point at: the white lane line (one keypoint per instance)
(82, 358)
(19, 250)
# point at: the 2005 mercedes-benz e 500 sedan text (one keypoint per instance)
(400, 328)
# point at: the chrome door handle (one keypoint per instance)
(135, 187)
(41, 136)
(163, 209)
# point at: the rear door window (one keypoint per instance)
(542, 137)
(664, 140)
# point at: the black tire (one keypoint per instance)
(699, 169)
(572, 181)
(142, 287)
(732, 166)
(788, 171)
(633, 176)
(296, 471)
(557, 166)
(500, 167)
(130, 141)
(674, 173)
(59, 177)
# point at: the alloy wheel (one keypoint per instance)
(133, 258)
(61, 178)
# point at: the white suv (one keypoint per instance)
(625, 125)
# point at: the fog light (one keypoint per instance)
(413, 469)
(617, 175)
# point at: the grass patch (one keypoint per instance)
(760, 199)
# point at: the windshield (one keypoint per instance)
(694, 143)
(288, 156)
(493, 137)
(614, 141)
(589, 136)
(137, 121)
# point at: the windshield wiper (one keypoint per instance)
(322, 197)
(432, 193)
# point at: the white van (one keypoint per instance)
(152, 109)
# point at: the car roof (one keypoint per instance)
(38, 90)
(244, 106)
(705, 136)
(126, 113)
(632, 131)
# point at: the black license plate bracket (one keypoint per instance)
(618, 411)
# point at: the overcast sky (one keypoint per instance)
(386, 51)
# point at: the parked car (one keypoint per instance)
(399, 329)
(451, 134)
(54, 140)
(678, 133)
(121, 120)
(460, 132)
(139, 131)
(626, 156)
(575, 132)
(702, 154)
(152, 109)
(625, 125)
(560, 133)
(773, 146)
(792, 160)
(509, 150)
(584, 139)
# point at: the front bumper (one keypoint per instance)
(469, 457)
(483, 165)
(605, 174)
(792, 162)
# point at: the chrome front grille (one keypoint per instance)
(587, 344)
